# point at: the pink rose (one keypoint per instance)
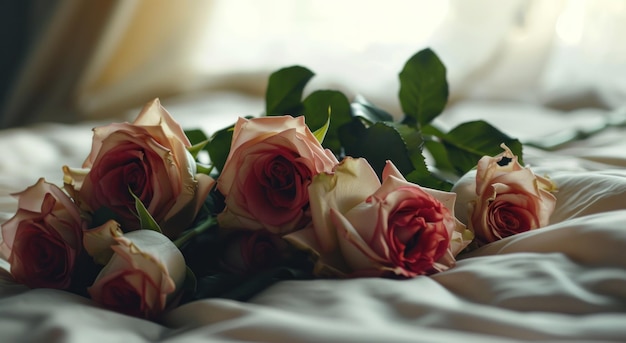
(270, 166)
(252, 251)
(505, 198)
(43, 240)
(364, 228)
(148, 158)
(142, 276)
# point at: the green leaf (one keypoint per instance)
(320, 133)
(196, 136)
(365, 109)
(470, 141)
(423, 88)
(284, 90)
(432, 143)
(203, 169)
(195, 149)
(351, 135)
(413, 142)
(219, 147)
(429, 180)
(327, 108)
(385, 141)
(146, 222)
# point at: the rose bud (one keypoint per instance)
(503, 198)
(143, 275)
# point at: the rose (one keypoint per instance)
(98, 241)
(251, 251)
(504, 198)
(270, 165)
(43, 239)
(148, 158)
(364, 228)
(142, 276)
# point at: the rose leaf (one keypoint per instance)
(365, 109)
(385, 141)
(330, 109)
(146, 222)
(219, 147)
(284, 90)
(423, 88)
(196, 136)
(320, 133)
(468, 142)
(195, 149)
(432, 143)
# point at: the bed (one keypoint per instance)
(565, 282)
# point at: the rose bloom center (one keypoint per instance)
(282, 179)
(417, 231)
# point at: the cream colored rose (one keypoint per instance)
(143, 275)
(148, 158)
(364, 228)
(266, 176)
(503, 198)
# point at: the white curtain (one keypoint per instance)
(98, 59)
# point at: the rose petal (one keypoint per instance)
(98, 241)
(391, 170)
(153, 113)
(488, 168)
(327, 264)
(356, 252)
(352, 182)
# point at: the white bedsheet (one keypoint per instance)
(565, 282)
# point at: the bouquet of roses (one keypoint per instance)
(314, 187)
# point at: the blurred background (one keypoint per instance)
(74, 60)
